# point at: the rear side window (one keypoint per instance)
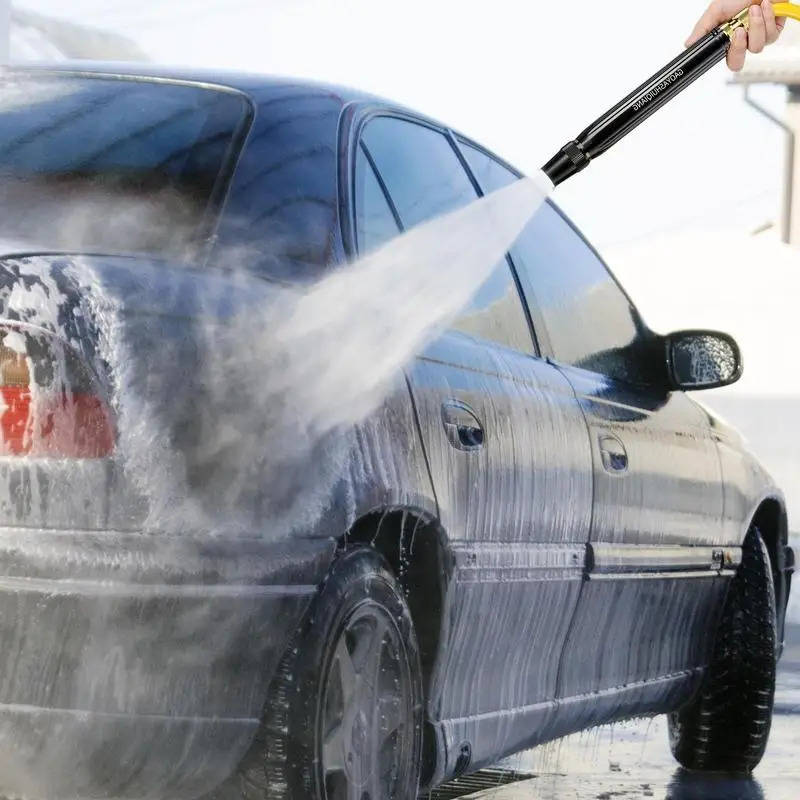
(590, 321)
(122, 165)
(425, 179)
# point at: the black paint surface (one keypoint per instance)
(565, 523)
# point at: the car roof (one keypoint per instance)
(246, 82)
(256, 85)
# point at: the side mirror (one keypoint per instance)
(702, 360)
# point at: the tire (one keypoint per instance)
(726, 727)
(359, 624)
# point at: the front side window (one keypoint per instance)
(375, 221)
(111, 164)
(425, 179)
(590, 322)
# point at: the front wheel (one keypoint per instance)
(344, 721)
(726, 727)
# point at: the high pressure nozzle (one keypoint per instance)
(652, 95)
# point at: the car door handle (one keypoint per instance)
(613, 453)
(462, 426)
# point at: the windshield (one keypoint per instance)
(106, 164)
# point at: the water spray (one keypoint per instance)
(652, 95)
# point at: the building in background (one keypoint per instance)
(35, 37)
(779, 65)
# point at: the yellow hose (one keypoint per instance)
(791, 10)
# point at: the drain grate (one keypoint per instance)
(477, 782)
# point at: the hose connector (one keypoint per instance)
(741, 20)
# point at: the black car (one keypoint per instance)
(533, 532)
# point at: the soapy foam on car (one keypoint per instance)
(283, 387)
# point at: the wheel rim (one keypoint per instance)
(366, 736)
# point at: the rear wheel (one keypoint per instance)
(726, 727)
(344, 720)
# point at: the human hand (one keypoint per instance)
(765, 28)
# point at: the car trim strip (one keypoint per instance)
(505, 562)
(608, 561)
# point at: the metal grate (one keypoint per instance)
(477, 782)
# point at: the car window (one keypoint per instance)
(425, 179)
(102, 163)
(375, 221)
(589, 320)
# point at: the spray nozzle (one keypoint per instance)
(638, 106)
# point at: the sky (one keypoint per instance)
(521, 78)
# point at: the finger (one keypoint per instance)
(780, 24)
(770, 23)
(718, 12)
(706, 23)
(738, 51)
(757, 35)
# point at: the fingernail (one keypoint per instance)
(755, 11)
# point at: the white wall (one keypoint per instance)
(28, 36)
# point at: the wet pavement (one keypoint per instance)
(632, 760)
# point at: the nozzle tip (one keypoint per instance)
(569, 161)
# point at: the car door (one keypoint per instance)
(648, 609)
(509, 455)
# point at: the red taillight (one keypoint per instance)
(50, 408)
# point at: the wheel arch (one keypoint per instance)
(771, 520)
(417, 549)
